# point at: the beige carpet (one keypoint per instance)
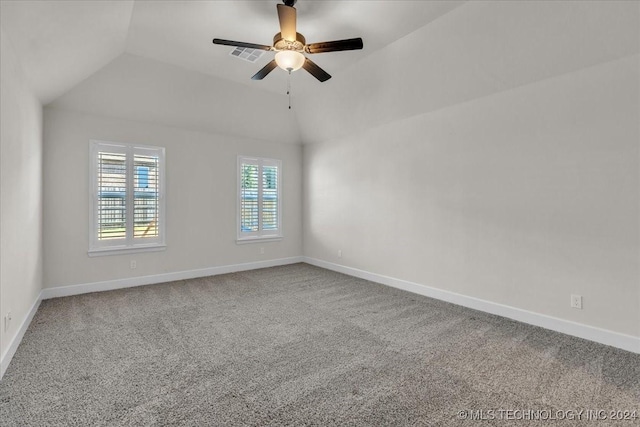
(299, 345)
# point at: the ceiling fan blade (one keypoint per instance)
(316, 71)
(334, 46)
(265, 70)
(287, 17)
(242, 44)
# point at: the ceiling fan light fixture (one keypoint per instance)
(290, 60)
(291, 46)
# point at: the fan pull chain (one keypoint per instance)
(289, 88)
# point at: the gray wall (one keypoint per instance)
(20, 194)
(200, 199)
(521, 198)
(506, 168)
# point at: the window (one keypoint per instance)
(259, 200)
(127, 198)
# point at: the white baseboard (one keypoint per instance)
(15, 342)
(129, 282)
(603, 336)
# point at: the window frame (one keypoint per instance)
(129, 244)
(260, 235)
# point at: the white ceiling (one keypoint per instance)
(135, 88)
(477, 50)
(50, 35)
(154, 60)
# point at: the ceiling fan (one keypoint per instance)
(290, 46)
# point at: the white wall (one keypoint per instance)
(200, 199)
(516, 182)
(20, 195)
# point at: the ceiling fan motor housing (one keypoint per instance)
(280, 43)
(289, 3)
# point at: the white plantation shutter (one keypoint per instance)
(146, 196)
(127, 197)
(112, 184)
(259, 198)
(270, 197)
(249, 192)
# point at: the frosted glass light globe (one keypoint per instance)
(290, 60)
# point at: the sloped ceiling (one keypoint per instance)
(477, 50)
(154, 60)
(60, 43)
(136, 88)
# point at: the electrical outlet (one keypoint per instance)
(576, 301)
(133, 265)
(7, 321)
(339, 253)
(262, 250)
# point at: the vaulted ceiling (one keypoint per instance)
(154, 60)
(51, 35)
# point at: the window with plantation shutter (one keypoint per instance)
(127, 198)
(259, 201)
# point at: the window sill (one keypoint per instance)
(244, 240)
(121, 250)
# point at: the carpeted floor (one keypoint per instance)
(299, 345)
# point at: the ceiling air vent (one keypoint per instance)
(247, 54)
